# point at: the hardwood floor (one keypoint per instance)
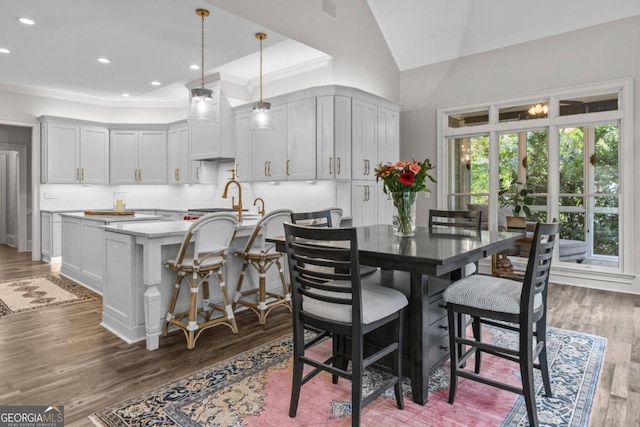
(62, 355)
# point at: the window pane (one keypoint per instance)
(571, 148)
(537, 110)
(589, 104)
(605, 234)
(605, 159)
(469, 164)
(474, 118)
(537, 162)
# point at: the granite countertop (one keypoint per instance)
(169, 228)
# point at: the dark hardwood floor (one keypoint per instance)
(62, 355)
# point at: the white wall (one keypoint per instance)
(591, 55)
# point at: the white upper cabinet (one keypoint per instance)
(178, 155)
(74, 153)
(333, 137)
(138, 157)
(364, 124)
(388, 135)
(243, 144)
(301, 140)
(213, 139)
(269, 148)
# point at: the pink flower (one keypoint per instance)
(401, 165)
(414, 167)
(406, 178)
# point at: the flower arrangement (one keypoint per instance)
(403, 180)
(405, 176)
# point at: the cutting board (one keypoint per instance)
(109, 212)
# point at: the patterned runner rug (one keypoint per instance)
(32, 293)
(253, 389)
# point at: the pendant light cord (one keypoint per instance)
(202, 52)
(261, 38)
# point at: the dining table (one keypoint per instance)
(422, 267)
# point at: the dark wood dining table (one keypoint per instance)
(422, 267)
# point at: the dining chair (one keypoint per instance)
(262, 255)
(321, 218)
(511, 305)
(211, 236)
(336, 216)
(444, 219)
(327, 296)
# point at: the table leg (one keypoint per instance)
(418, 340)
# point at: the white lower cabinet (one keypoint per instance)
(50, 234)
(369, 204)
(83, 252)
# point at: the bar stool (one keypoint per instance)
(211, 234)
(262, 255)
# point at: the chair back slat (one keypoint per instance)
(460, 219)
(315, 219)
(536, 278)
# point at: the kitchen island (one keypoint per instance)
(82, 245)
(138, 286)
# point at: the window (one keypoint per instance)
(569, 147)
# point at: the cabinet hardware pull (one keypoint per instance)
(135, 175)
(446, 328)
(77, 174)
(198, 172)
(82, 174)
(288, 167)
(237, 169)
(364, 166)
(338, 173)
(330, 165)
(178, 174)
(368, 167)
(140, 175)
(265, 169)
(269, 168)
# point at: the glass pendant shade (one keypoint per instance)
(261, 119)
(201, 106)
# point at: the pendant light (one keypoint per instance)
(201, 106)
(261, 119)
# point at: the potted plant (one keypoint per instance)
(518, 196)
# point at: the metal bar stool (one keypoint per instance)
(262, 255)
(211, 236)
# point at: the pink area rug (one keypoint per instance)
(253, 389)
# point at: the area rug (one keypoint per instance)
(33, 293)
(253, 389)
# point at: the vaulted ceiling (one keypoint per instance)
(149, 40)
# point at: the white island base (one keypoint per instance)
(138, 287)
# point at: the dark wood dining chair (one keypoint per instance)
(442, 220)
(507, 304)
(458, 219)
(327, 296)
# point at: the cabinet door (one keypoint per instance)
(269, 148)
(93, 254)
(342, 135)
(384, 205)
(301, 140)
(364, 139)
(124, 157)
(325, 137)
(204, 139)
(364, 203)
(46, 236)
(61, 149)
(94, 155)
(71, 246)
(152, 157)
(388, 135)
(178, 156)
(243, 147)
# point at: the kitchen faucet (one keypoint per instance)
(233, 180)
(260, 208)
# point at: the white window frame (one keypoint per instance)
(553, 122)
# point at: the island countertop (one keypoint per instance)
(107, 219)
(169, 228)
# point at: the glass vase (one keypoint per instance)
(404, 213)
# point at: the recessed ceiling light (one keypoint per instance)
(156, 83)
(3, 50)
(194, 67)
(104, 60)
(25, 21)
(126, 95)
